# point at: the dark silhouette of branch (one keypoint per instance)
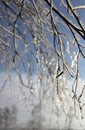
(66, 20)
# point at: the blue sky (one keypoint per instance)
(57, 4)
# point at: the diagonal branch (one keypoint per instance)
(66, 20)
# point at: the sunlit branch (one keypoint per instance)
(6, 44)
(10, 32)
(79, 7)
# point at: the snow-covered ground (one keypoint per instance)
(11, 95)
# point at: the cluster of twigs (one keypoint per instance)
(25, 44)
(76, 30)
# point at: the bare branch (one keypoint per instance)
(79, 7)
